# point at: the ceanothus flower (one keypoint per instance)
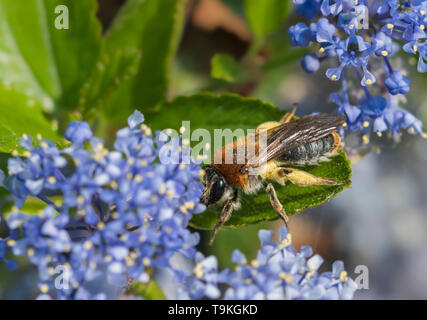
(278, 272)
(397, 83)
(123, 212)
(307, 8)
(363, 36)
(310, 63)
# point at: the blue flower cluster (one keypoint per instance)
(362, 35)
(122, 212)
(278, 272)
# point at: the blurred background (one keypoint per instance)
(381, 222)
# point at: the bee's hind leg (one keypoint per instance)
(288, 117)
(302, 178)
(275, 203)
(225, 215)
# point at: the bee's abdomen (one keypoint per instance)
(310, 151)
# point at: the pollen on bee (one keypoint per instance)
(344, 124)
(422, 27)
(424, 135)
(379, 134)
(366, 124)
(333, 77)
(321, 50)
(202, 173)
(390, 26)
(384, 53)
(411, 130)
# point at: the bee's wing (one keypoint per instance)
(288, 136)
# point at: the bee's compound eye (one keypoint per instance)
(217, 191)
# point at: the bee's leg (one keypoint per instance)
(288, 117)
(302, 178)
(275, 203)
(225, 215)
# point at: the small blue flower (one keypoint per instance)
(307, 8)
(310, 63)
(333, 7)
(78, 132)
(397, 83)
(367, 34)
(300, 34)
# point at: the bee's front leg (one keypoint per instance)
(225, 215)
(275, 203)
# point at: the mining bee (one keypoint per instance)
(308, 140)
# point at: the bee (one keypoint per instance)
(308, 140)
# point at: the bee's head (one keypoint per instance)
(215, 185)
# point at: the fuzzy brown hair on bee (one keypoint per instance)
(308, 140)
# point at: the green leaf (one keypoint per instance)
(265, 16)
(18, 115)
(225, 67)
(231, 111)
(149, 291)
(155, 28)
(113, 71)
(48, 64)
